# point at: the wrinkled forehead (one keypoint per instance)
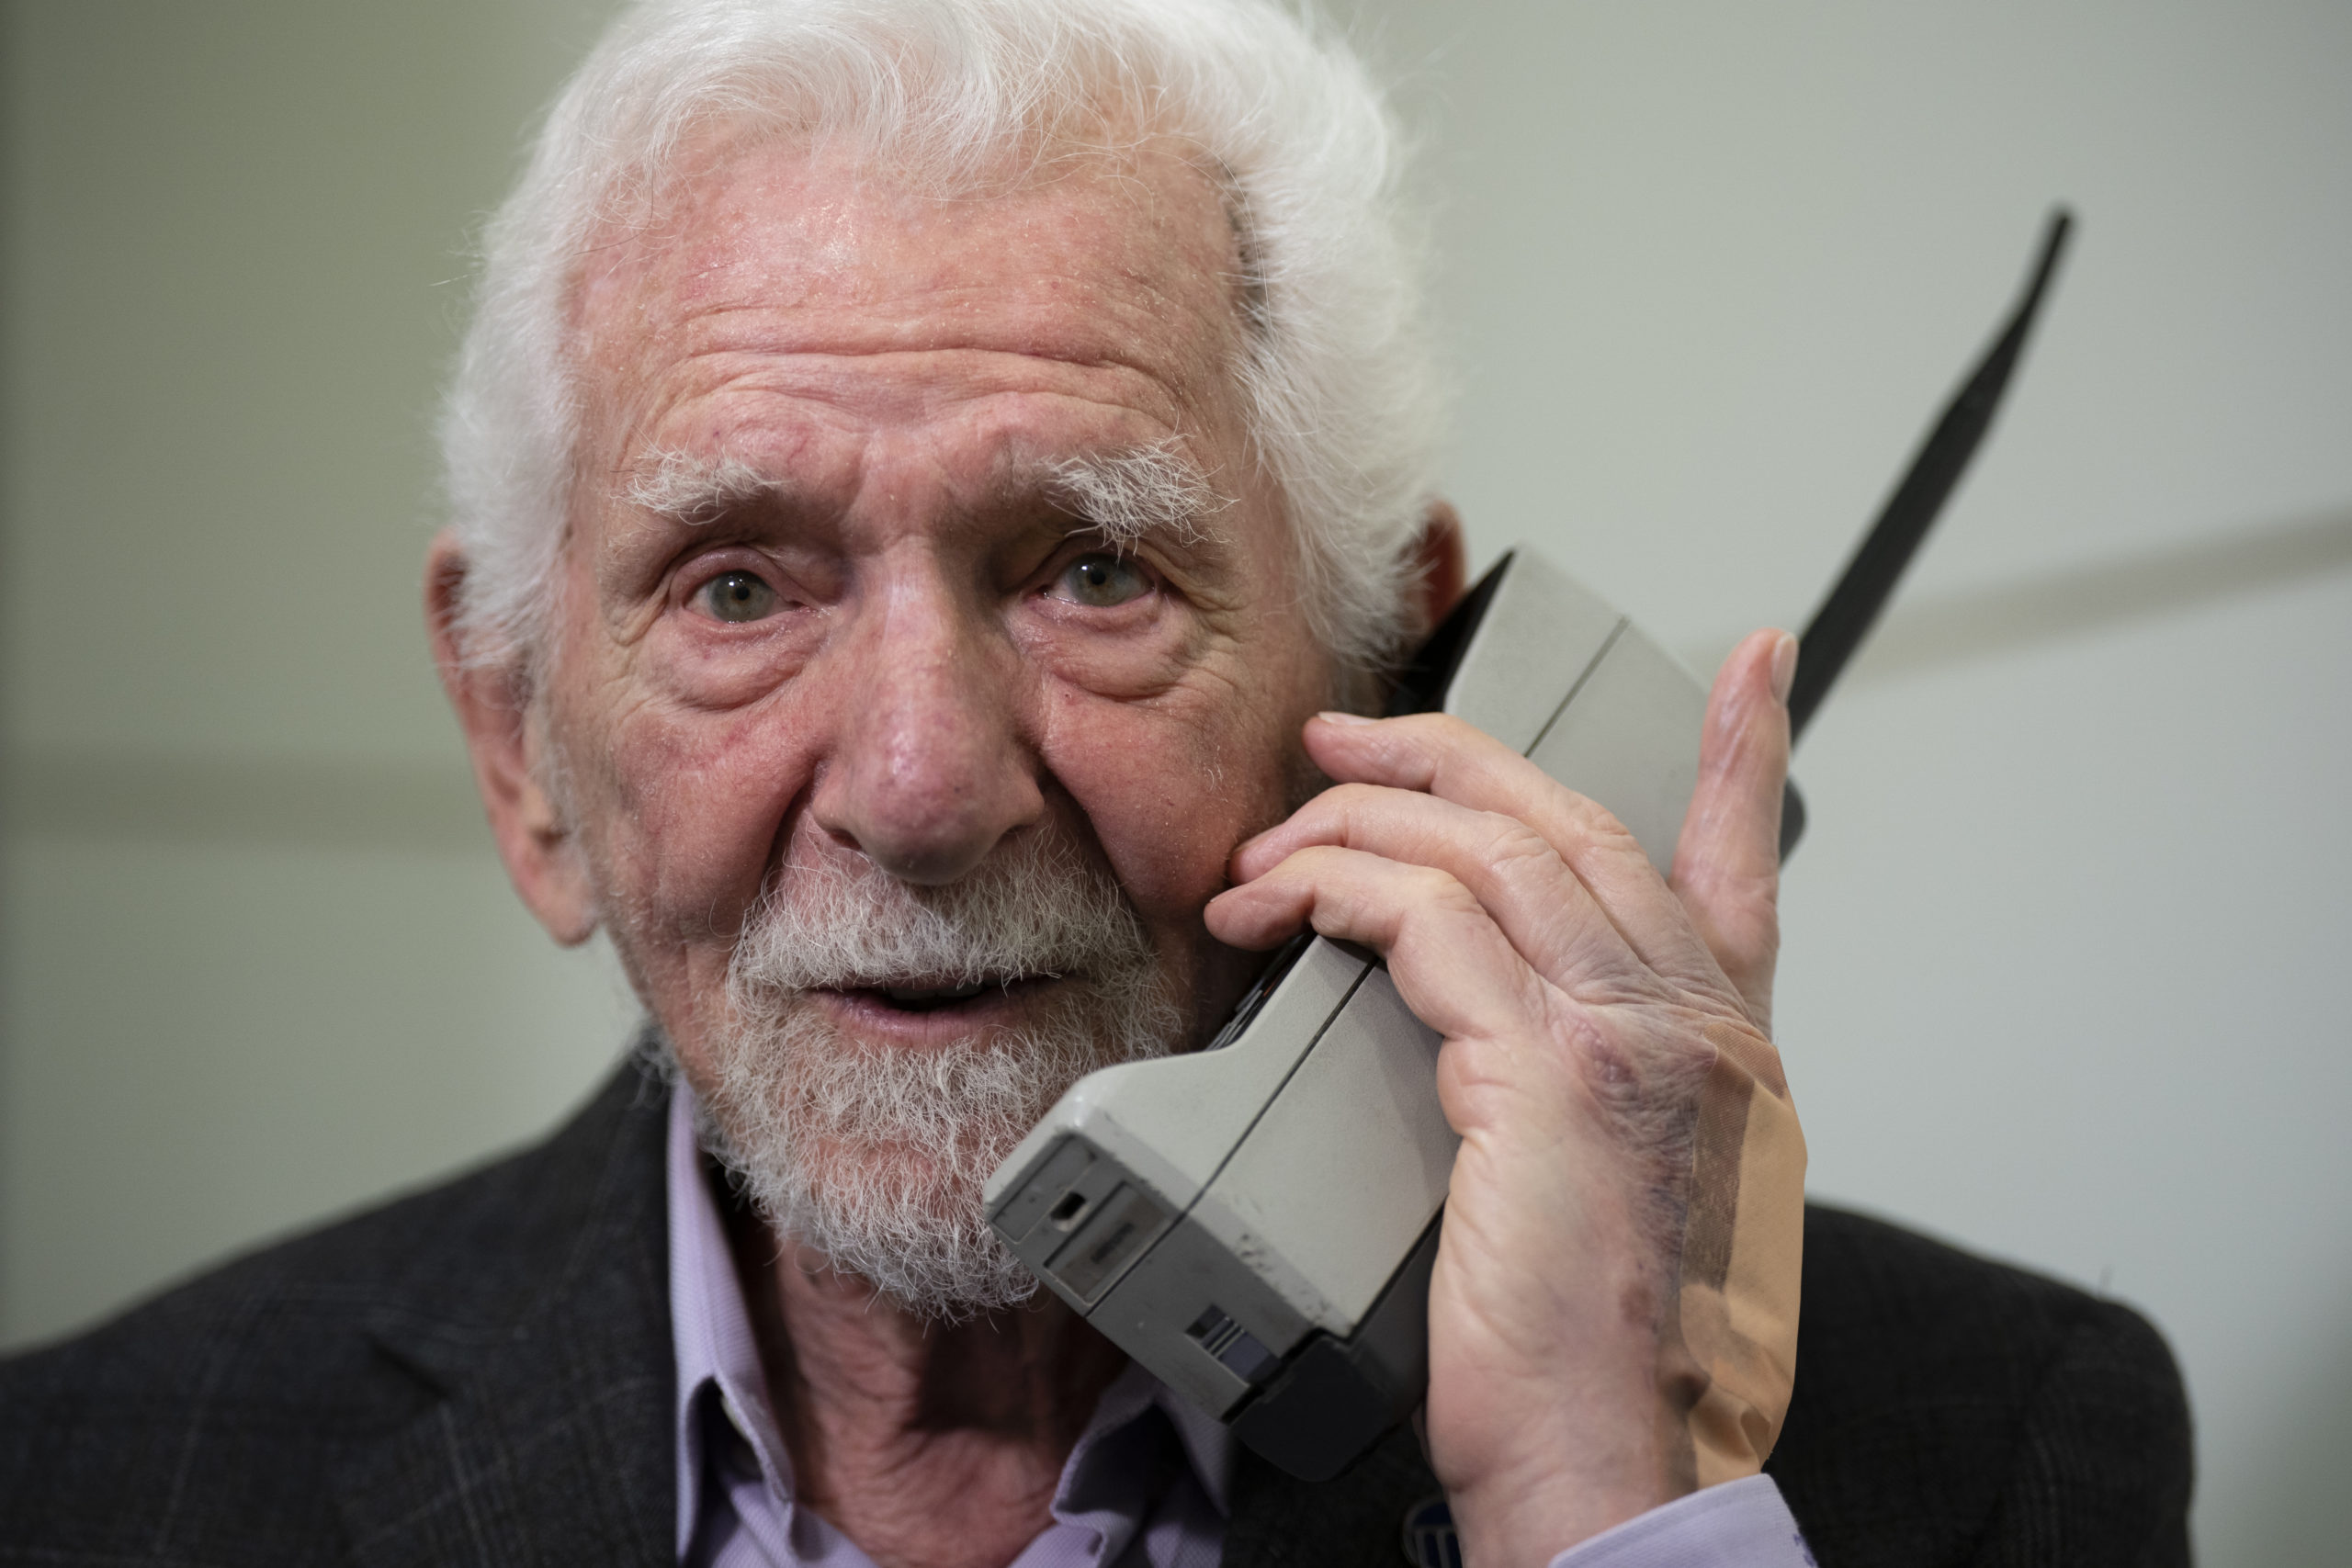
(1092, 256)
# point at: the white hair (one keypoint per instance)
(1342, 395)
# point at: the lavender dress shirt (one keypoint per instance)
(1144, 1487)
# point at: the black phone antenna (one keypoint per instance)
(1852, 607)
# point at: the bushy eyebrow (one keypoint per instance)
(694, 489)
(1127, 496)
(1132, 495)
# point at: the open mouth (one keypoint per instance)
(920, 996)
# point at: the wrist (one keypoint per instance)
(1525, 1515)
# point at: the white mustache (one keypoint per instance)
(1036, 910)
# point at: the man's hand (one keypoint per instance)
(1597, 1019)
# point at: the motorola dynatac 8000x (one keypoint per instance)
(1255, 1222)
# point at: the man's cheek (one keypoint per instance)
(1168, 795)
(697, 812)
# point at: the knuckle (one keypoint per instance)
(1509, 839)
(1324, 862)
(1744, 898)
(1441, 729)
(1428, 883)
(1518, 857)
(1426, 894)
(1347, 812)
(1445, 742)
(1595, 824)
(1354, 800)
(1308, 863)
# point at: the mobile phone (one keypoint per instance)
(1256, 1221)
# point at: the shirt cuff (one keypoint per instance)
(1740, 1524)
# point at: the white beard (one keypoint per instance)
(875, 1155)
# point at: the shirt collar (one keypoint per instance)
(710, 1328)
(711, 1333)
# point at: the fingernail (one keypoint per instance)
(1784, 667)
(1330, 716)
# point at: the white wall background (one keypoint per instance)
(2064, 976)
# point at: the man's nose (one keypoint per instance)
(928, 772)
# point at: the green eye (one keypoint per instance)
(738, 596)
(1102, 581)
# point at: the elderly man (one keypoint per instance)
(935, 485)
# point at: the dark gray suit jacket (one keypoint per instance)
(482, 1374)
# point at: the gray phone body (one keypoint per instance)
(1256, 1221)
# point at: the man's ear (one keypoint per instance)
(1440, 567)
(541, 852)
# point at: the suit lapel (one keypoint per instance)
(549, 1347)
(1354, 1521)
(548, 1433)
